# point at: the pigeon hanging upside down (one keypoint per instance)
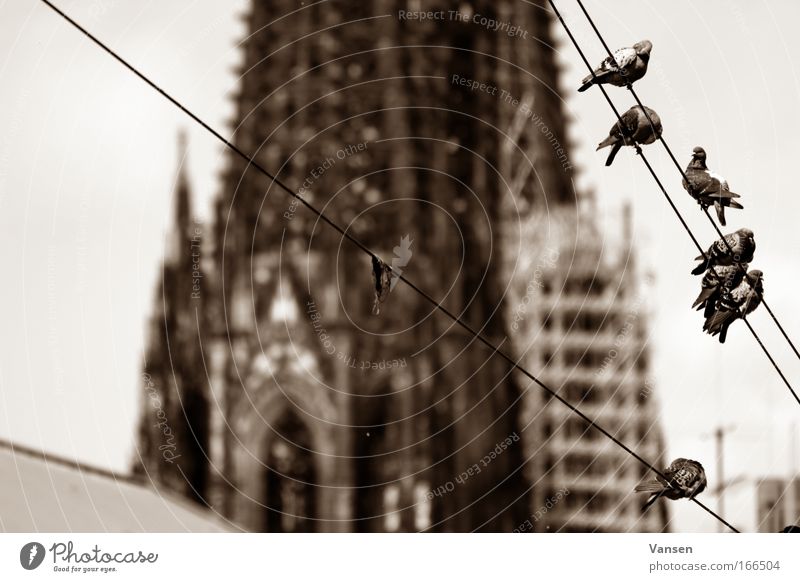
(685, 479)
(635, 129)
(707, 187)
(736, 248)
(717, 283)
(628, 66)
(382, 277)
(738, 304)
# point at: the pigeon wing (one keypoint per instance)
(625, 57)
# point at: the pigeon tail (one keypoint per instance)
(723, 333)
(721, 195)
(702, 298)
(653, 499)
(702, 267)
(587, 82)
(649, 487)
(613, 153)
(610, 140)
(720, 213)
(719, 321)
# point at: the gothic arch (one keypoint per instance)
(286, 440)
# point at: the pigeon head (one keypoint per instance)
(746, 232)
(755, 276)
(643, 49)
(698, 159)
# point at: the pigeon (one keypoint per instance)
(791, 529)
(635, 129)
(382, 276)
(628, 66)
(685, 479)
(737, 247)
(707, 187)
(737, 304)
(718, 282)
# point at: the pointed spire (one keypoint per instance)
(183, 195)
(182, 220)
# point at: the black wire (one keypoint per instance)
(663, 190)
(705, 208)
(361, 246)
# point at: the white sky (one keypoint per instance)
(88, 156)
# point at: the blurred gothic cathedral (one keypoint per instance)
(276, 397)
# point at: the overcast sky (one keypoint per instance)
(88, 159)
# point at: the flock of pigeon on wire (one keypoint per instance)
(728, 292)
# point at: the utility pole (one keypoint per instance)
(722, 486)
(719, 439)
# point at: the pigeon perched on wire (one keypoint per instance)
(718, 282)
(707, 187)
(628, 66)
(685, 479)
(635, 129)
(736, 247)
(738, 304)
(382, 277)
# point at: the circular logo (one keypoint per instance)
(31, 555)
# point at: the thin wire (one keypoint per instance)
(685, 178)
(664, 191)
(437, 305)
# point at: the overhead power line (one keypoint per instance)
(361, 246)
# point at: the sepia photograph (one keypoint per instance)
(353, 268)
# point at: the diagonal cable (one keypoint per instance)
(361, 246)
